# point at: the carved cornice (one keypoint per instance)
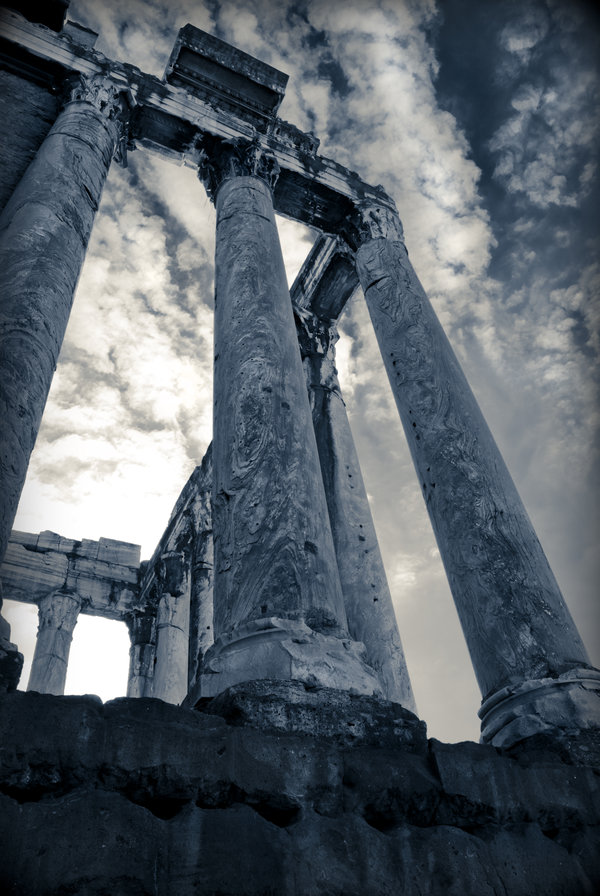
(218, 160)
(111, 101)
(372, 221)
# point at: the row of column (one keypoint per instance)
(280, 607)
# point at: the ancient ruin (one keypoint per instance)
(264, 614)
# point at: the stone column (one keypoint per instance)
(142, 634)
(172, 629)
(278, 604)
(530, 662)
(58, 613)
(367, 598)
(44, 232)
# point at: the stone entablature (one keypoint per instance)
(103, 574)
(169, 120)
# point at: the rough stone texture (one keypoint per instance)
(11, 661)
(367, 598)
(172, 630)
(48, 218)
(103, 574)
(515, 621)
(268, 793)
(27, 112)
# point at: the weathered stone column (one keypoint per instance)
(367, 598)
(531, 665)
(172, 629)
(58, 613)
(201, 591)
(142, 634)
(278, 604)
(44, 232)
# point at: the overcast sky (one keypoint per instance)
(481, 119)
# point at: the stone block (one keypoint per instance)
(346, 719)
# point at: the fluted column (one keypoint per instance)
(172, 629)
(58, 614)
(531, 665)
(367, 598)
(44, 232)
(278, 604)
(142, 635)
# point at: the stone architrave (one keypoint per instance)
(58, 614)
(44, 232)
(172, 629)
(278, 604)
(367, 598)
(142, 635)
(531, 665)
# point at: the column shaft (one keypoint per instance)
(367, 598)
(172, 631)
(515, 621)
(44, 231)
(278, 604)
(142, 632)
(58, 614)
(273, 551)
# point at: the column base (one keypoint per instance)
(284, 649)
(557, 706)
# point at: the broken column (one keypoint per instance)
(278, 604)
(58, 614)
(172, 629)
(44, 232)
(367, 598)
(531, 665)
(142, 635)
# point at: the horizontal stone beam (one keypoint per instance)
(171, 121)
(103, 574)
(327, 278)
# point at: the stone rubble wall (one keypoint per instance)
(279, 789)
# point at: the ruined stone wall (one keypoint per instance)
(275, 789)
(27, 112)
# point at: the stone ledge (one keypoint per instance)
(139, 796)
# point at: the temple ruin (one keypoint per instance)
(264, 615)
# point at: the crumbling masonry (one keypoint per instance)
(265, 609)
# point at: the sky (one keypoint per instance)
(481, 119)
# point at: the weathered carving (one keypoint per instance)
(221, 159)
(113, 102)
(371, 221)
(58, 613)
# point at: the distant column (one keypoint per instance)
(58, 614)
(201, 590)
(172, 629)
(44, 232)
(530, 662)
(278, 604)
(142, 635)
(367, 598)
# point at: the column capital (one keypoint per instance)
(59, 610)
(315, 336)
(372, 221)
(113, 102)
(219, 160)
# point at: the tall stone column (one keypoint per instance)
(367, 598)
(58, 613)
(142, 635)
(278, 605)
(44, 232)
(531, 665)
(172, 629)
